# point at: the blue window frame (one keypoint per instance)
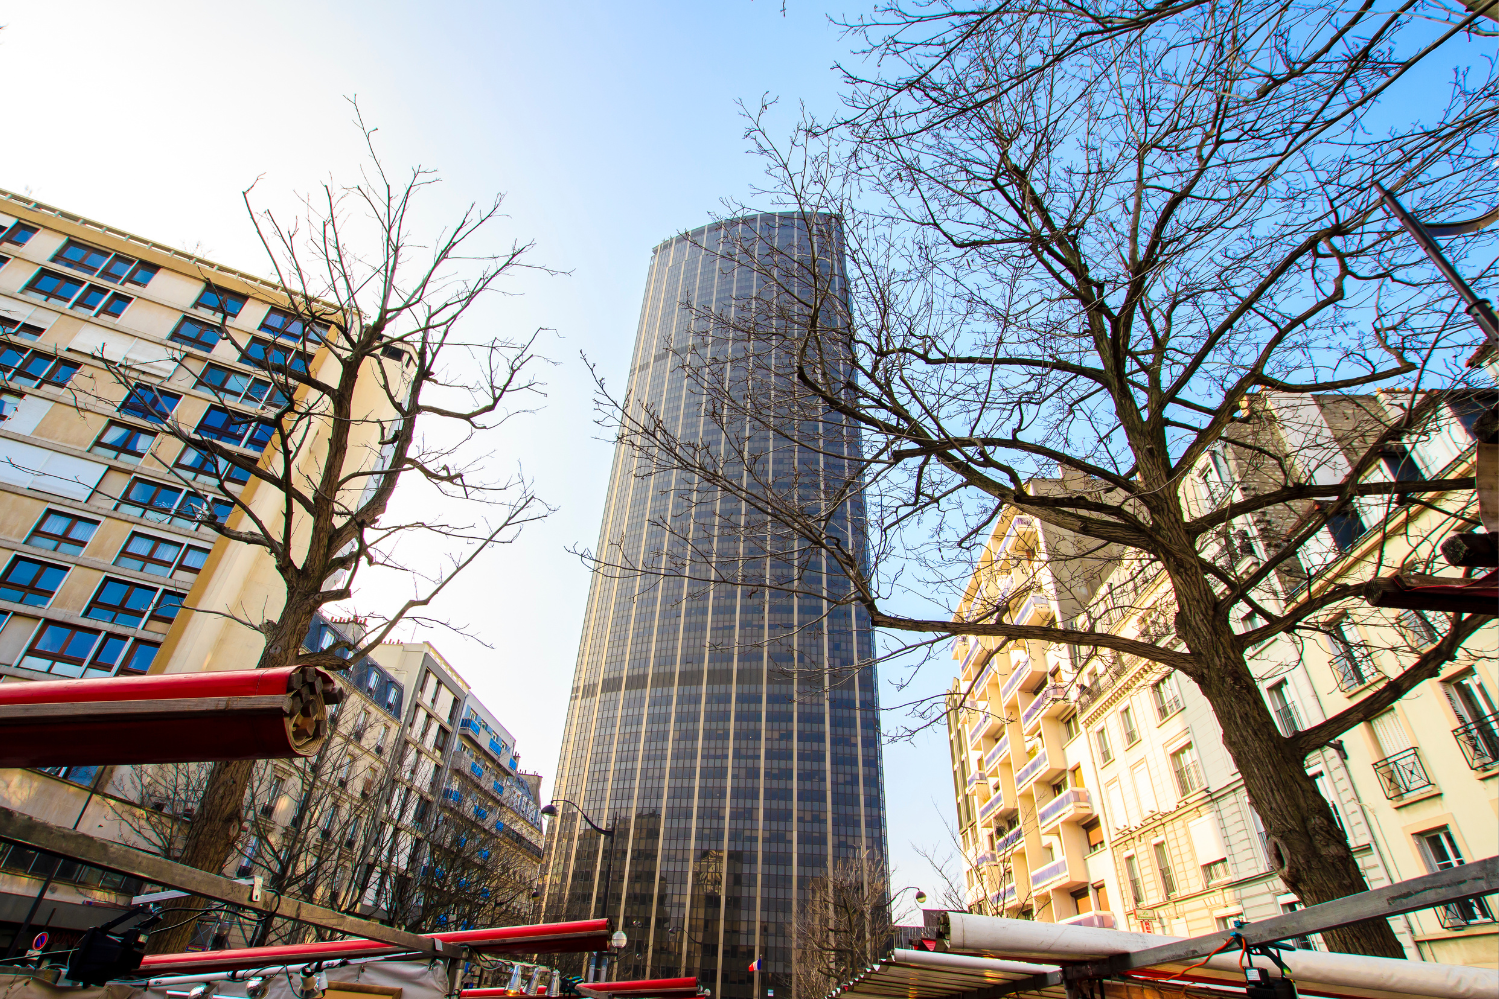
(287, 326)
(273, 357)
(119, 601)
(196, 333)
(149, 403)
(60, 531)
(81, 257)
(28, 581)
(167, 606)
(199, 465)
(225, 303)
(123, 442)
(54, 287)
(19, 233)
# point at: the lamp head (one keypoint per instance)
(549, 810)
(920, 897)
(618, 940)
(257, 987)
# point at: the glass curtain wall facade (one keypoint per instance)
(726, 732)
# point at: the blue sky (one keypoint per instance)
(609, 126)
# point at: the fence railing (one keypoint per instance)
(1051, 872)
(1402, 774)
(1188, 778)
(1479, 741)
(1056, 806)
(1287, 720)
(1353, 668)
(1028, 772)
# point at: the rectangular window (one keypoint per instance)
(222, 425)
(1163, 865)
(1441, 850)
(1071, 727)
(151, 500)
(197, 334)
(36, 367)
(149, 403)
(142, 654)
(119, 601)
(1350, 661)
(1132, 872)
(1286, 717)
(195, 464)
(61, 649)
(1101, 738)
(93, 296)
(1166, 696)
(145, 553)
(225, 303)
(1127, 722)
(1218, 870)
(81, 257)
(274, 358)
(27, 581)
(115, 307)
(1188, 774)
(123, 269)
(232, 386)
(54, 287)
(1467, 406)
(1094, 830)
(1345, 525)
(286, 326)
(167, 606)
(123, 442)
(59, 531)
(1423, 634)
(16, 328)
(19, 234)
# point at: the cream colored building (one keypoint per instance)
(104, 336)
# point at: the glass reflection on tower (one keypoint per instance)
(728, 781)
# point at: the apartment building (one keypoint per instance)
(1414, 789)
(1027, 809)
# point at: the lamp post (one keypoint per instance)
(618, 940)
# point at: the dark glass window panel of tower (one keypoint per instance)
(728, 781)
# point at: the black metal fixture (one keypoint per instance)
(102, 956)
(618, 940)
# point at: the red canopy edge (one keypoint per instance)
(656, 988)
(167, 718)
(541, 938)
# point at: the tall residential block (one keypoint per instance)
(725, 733)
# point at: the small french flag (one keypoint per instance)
(755, 965)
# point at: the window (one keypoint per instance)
(171, 504)
(123, 442)
(1420, 629)
(232, 386)
(273, 357)
(225, 303)
(1398, 463)
(149, 403)
(27, 581)
(1188, 774)
(1071, 726)
(1350, 660)
(16, 328)
(1127, 722)
(115, 306)
(1442, 852)
(144, 553)
(19, 233)
(1101, 738)
(1345, 525)
(119, 601)
(1320, 780)
(61, 649)
(1468, 406)
(286, 326)
(59, 531)
(1132, 871)
(142, 655)
(81, 257)
(54, 287)
(36, 367)
(144, 495)
(1166, 696)
(196, 333)
(92, 297)
(1218, 870)
(193, 560)
(1094, 830)
(195, 464)
(1477, 733)
(1163, 865)
(228, 427)
(167, 606)
(1286, 718)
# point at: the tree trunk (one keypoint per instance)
(1306, 846)
(215, 829)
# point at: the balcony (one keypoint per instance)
(1071, 805)
(987, 857)
(1028, 773)
(1189, 779)
(1460, 915)
(1000, 751)
(1403, 774)
(1009, 841)
(988, 809)
(1002, 898)
(973, 779)
(1024, 671)
(1353, 668)
(1043, 876)
(1479, 741)
(1102, 920)
(1287, 720)
(977, 729)
(1049, 700)
(1036, 606)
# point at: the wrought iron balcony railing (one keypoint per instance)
(1479, 741)
(1402, 774)
(1287, 720)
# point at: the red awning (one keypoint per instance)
(646, 988)
(167, 718)
(544, 938)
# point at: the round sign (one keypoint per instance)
(39, 941)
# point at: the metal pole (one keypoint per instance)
(1480, 310)
(36, 903)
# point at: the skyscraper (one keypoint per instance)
(725, 732)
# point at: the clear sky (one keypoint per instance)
(610, 127)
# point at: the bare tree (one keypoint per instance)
(374, 378)
(842, 924)
(1088, 248)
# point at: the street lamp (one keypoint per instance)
(920, 895)
(551, 812)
